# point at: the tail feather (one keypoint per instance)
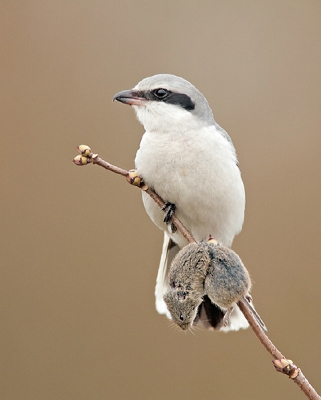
(169, 251)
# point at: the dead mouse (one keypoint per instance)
(206, 280)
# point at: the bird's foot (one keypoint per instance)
(169, 209)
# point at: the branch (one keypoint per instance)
(134, 179)
(280, 363)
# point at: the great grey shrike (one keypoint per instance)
(190, 161)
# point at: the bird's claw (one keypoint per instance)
(169, 209)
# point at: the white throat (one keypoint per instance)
(162, 117)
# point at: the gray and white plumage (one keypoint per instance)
(190, 161)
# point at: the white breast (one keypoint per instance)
(197, 172)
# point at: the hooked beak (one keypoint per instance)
(129, 97)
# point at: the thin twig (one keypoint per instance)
(280, 363)
(95, 159)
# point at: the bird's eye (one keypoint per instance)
(181, 317)
(161, 93)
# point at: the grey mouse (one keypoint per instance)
(206, 280)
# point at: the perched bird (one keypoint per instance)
(190, 161)
(206, 270)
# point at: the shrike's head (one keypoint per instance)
(167, 103)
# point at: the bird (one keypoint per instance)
(191, 163)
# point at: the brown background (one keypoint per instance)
(78, 254)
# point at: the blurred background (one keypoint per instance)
(79, 256)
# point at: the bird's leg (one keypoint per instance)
(169, 209)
